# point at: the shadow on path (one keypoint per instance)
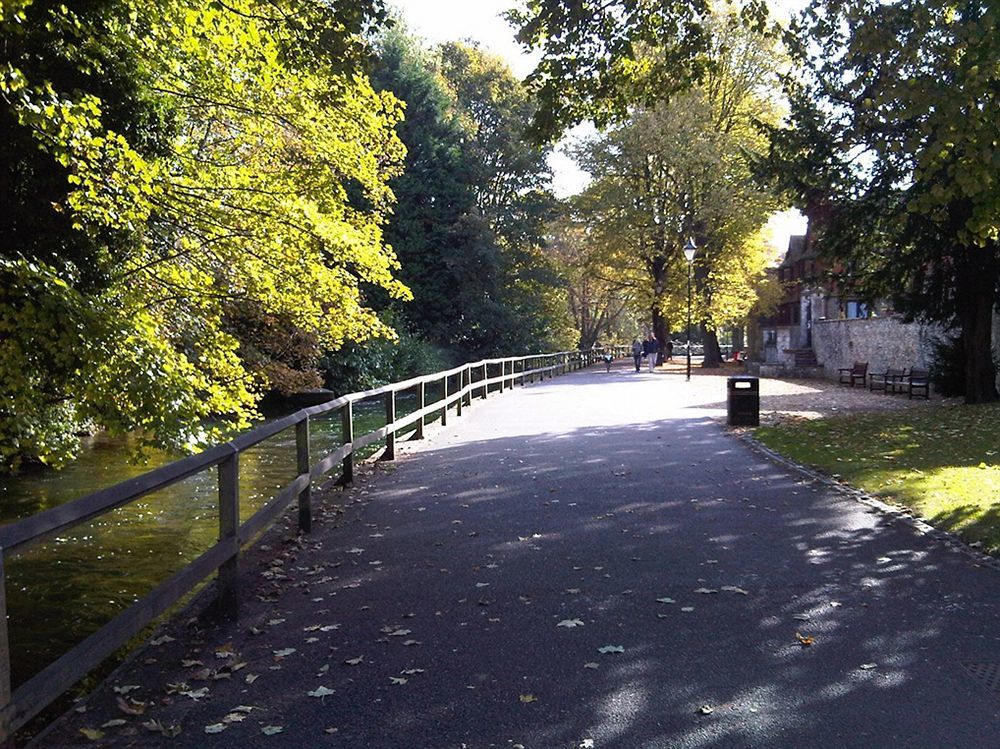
(478, 580)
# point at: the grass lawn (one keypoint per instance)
(943, 463)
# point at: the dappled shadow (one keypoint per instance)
(454, 569)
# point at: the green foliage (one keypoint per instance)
(362, 366)
(596, 62)
(940, 462)
(472, 203)
(172, 165)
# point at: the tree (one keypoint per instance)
(189, 160)
(513, 195)
(896, 105)
(680, 170)
(472, 202)
(445, 245)
(600, 295)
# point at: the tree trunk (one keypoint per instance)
(710, 342)
(658, 270)
(976, 281)
(738, 339)
(661, 331)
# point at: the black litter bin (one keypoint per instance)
(744, 401)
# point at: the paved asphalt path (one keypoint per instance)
(608, 501)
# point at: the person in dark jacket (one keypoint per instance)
(636, 352)
(651, 348)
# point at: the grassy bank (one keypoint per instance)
(943, 463)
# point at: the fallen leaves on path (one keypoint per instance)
(804, 641)
(570, 623)
(607, 649)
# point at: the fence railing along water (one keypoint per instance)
(458, 387)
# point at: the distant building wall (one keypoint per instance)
(881, 341)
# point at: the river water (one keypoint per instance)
(61, 591)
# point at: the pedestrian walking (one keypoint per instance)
(651, 348)
(636, 352)
(670, 351)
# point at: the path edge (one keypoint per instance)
(894, 513)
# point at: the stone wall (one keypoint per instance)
(881, 341)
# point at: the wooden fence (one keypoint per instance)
(458, 386)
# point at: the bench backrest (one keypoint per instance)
(919, 374)
(860, 367)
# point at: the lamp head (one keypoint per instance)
(689, 249)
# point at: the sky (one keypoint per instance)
(481, 20)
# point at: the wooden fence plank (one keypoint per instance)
(31, 697)
(272, 509)
(17, 536)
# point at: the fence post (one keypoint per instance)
(421, 404)
(486, 376)
(390, 418)
(5, 739)
(229, 521)
(302, 458)
(503, 375)
(466, 380)
(347, 437)
(444, 401)
(458, 403)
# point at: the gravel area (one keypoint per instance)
(789, 400)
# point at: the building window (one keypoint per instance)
(856, 310)
(770, 337)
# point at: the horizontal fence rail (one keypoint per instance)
(459, 386)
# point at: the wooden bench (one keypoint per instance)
(918, 382)
(886, 381)
(853, 375)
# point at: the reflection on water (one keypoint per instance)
(63, 590)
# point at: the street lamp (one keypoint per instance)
(689, 249)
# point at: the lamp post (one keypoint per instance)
(689, 250)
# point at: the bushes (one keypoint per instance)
(361, 366)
